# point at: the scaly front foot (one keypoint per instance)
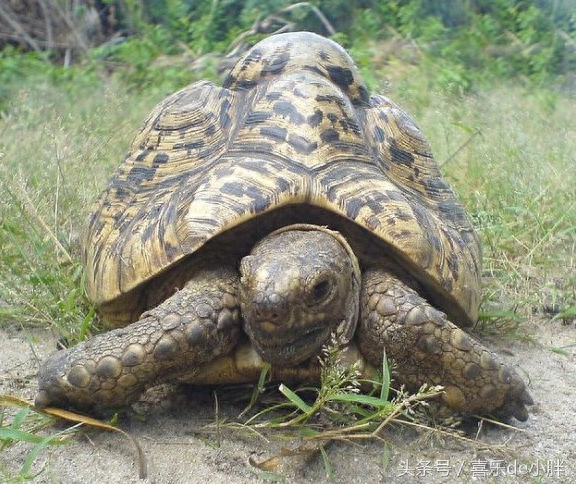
(427, 348)
(196, 324)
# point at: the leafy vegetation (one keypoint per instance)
(462, 43)
(343, 408)
(27, 426)
(467, 41)
(340, 409)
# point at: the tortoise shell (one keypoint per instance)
(292, 136)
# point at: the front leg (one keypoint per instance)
(427, 348)
(198, 323)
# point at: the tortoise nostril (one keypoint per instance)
(263, 315)
(269, 314)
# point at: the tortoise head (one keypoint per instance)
(299, 285)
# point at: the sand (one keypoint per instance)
(178, 450)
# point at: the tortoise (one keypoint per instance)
(256, 222)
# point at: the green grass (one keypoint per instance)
(516, 178)
(22, 423)
(343, 408)
(508, 152)
(29, 427)
(56, 151)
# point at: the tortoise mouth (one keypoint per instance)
(288, 351)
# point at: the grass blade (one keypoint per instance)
(92, 422)
(258, 389)
(295, 399)
(360, 399)
(385, 390)
(21, 436)
(44, 442)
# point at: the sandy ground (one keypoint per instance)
(542, 450)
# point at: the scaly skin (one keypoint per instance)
(299, 285)
(195, 325)
(427, 348)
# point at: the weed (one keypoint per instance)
(28, 427)
(344, 407)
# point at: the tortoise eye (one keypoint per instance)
(321, 291)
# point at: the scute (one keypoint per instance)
(293, 124)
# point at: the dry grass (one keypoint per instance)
(509, 154)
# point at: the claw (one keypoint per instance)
(50, 391)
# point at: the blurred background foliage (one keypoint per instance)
(458, 44)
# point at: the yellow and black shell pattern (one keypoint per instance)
(292, 125)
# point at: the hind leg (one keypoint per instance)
(198, 323)
(427, 348)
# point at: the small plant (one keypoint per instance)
(27, 426)
(341, 408)
(345, 407)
